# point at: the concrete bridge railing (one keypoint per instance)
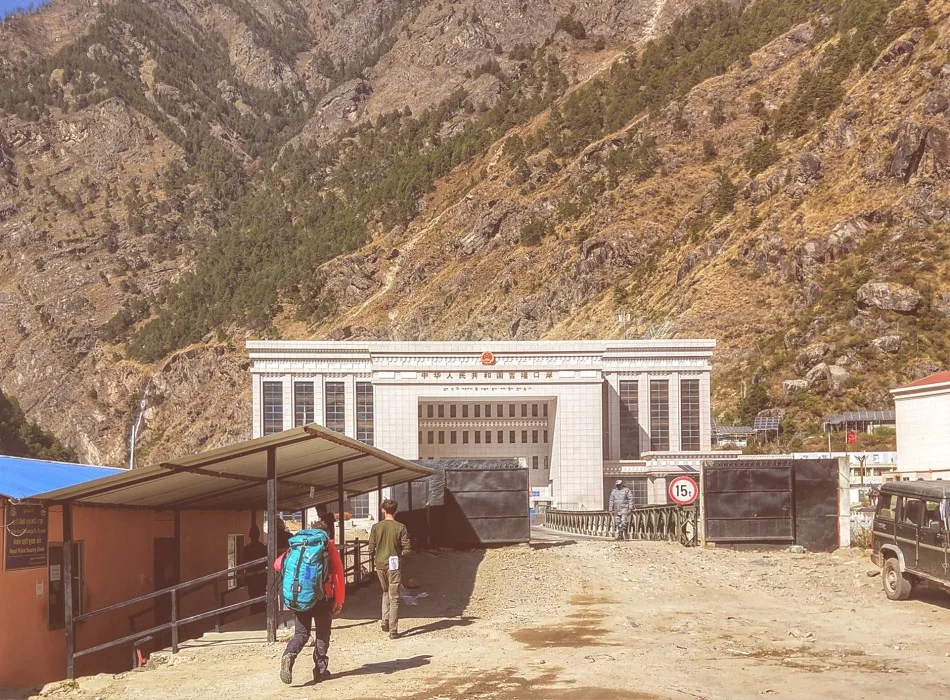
(662, 523)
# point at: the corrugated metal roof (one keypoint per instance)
(21, 477)
(861, 416)
(235, 477)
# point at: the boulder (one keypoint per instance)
(938, 103)
(888, 296)
(920, 148)
(835, 378)
(811, 355)
(942, 303)
(887, 343)
(793, 386)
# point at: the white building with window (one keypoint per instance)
(923, 428)
(579, 413)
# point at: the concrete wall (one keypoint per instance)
(923, 434)
(118, 551)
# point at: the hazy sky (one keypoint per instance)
(7, 6)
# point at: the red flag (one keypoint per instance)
(852, 438)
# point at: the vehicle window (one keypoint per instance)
(912, 511)
(932, 513)
(886, 505)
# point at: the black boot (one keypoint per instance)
(287, 668)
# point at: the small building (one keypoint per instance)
(923, 427)
(96, 560)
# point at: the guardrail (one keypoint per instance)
(660, 523)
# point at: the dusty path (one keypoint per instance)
(598, 620)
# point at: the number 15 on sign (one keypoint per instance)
(683, 490)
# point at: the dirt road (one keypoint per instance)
(598, 620)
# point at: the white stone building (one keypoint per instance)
(923, 428)
(579, 413)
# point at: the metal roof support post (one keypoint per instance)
(271, 544)
(177, 525)
(379, 497)
(303, 519)
(409, 496)
(68, 590)
(340, 504)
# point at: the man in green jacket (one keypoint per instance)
(388, 543)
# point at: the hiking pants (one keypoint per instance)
(390, 582)
(318, 616)
(621, 520)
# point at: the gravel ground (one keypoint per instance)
(588, 620)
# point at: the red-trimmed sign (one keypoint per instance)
(683, 490)
(488, 358)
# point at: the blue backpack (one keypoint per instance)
(303, 572)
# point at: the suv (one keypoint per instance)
(910, 536)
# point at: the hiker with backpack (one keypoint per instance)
(388, 543)
(313, 585)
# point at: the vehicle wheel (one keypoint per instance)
(896, 585)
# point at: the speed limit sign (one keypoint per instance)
(683, 490)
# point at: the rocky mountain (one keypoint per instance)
(21, 437)
(178, 175)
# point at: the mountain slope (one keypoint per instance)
(144, 136)
(773, 175)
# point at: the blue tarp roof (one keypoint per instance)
(21, 477)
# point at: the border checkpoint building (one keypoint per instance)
(579, 414)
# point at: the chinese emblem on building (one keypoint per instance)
(488, 358)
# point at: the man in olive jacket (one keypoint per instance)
(388, 544)
(620, 504)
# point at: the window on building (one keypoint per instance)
(524, 436)
(273, 407)
(365, 413)
(441, 437)
(488, 410)
(501, 437)
(453, 409)
(303, 403)
(430, 411)
(430, 437)
(640, 487)
(689, 414)
(544, 410)
(534, 436)
(441, 410)
(420, 437)
(487, 437)
(511, 437)
(534, 410)
(336, 406)
(478, 410)
(629, 420)
(478, 437)
(420, 410)
(465, 411)
(546, 462)
(235, 549)
(659, 415)
(453, 437)
(501, 410)
(545, 437)
(358, 506)
(534, 462)
(511, 410)
(524, 410)
(464, 437)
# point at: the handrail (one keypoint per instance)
(165, 591)
(170, 625)
(659, 523)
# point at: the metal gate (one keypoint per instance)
(773, 502)
(749, 501)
